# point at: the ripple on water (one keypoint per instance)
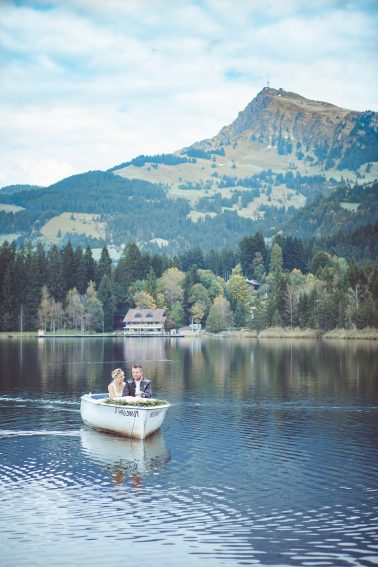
(249, 486)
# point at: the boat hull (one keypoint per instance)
(132, 421)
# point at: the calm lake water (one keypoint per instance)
(268, 455)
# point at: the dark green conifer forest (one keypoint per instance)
(320, 284)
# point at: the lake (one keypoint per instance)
(268, 455)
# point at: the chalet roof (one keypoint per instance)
(252, 282)
(145, 316)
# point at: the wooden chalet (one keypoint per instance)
(145, 322)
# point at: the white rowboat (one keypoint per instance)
(133, 421)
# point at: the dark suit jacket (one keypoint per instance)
(145, 387)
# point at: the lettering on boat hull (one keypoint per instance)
(127, 412)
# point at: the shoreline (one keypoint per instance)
(296, 333)
(370, 334)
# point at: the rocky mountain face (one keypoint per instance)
(275, 111)
(279, 131)
(310, 131)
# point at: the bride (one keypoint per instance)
(117, 384)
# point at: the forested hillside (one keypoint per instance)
(345, 209)
(290, 283)
(361, 243)
(133, 210)
(138, 211)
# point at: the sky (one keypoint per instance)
(89, 84)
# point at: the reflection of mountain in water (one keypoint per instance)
(125, 455)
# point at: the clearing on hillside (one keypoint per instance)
(10, 208)
(81, 223)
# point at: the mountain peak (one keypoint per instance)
(273, 109)
(278, 130)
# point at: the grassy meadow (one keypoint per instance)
(80, 223)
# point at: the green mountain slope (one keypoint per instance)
(361, 243)
(275, 168)
(277, 130)
(132, 210)
(345, 209)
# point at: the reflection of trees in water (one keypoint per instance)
(221, 366)
(48, 361)
(246, 368)
(312, 367)
(279, 368)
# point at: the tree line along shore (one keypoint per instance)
(287, 288)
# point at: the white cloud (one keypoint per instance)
(88, 84)
(33, 171)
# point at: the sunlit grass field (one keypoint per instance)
(81, 223)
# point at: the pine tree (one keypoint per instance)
(190, 279)
(41, 262)
(132, 266)
(277, 319)
(7, 253)
(18, 288)
(249, 246)
(80, 271)
(106, 296)
(304, 310)
(69, 268)
(8, 317)
(104, 266)
(159, 263)
(212, 261)
(368, 316)
(150, 282)
(89, 265)
(276, 263)
(240, 315)
(55, 280)
(33, 291)
(259, 317)
(294, 255)
(258, 267)
(176, 314)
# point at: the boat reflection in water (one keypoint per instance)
(124, 456)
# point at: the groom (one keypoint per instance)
(138, 386)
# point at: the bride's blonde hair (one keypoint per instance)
(117, 373)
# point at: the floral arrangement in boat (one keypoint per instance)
(130, 401)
